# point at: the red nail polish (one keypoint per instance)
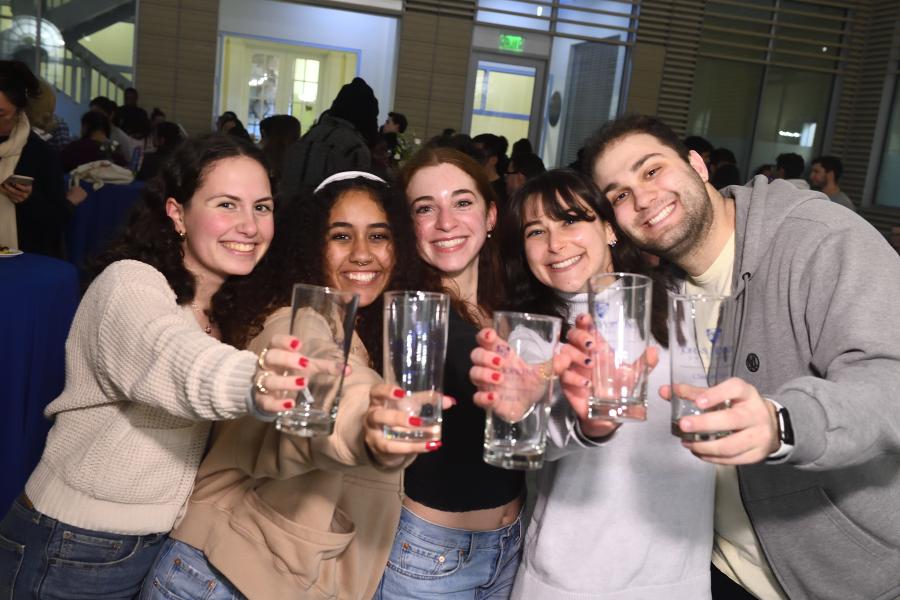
(432, 446)
(301, 381)
(488, 336)
(495, 376)
(415, 421)
(294, 344)
(496, 361)
(304, 362)
(398, 393)
(490, 396)
(288, 405)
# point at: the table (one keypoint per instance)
(38, 299)
(99, 219)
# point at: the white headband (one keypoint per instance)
(348, 175)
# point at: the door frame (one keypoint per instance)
(535, 120)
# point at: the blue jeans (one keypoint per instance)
(181, 572)
(428, 561)
(42, 558)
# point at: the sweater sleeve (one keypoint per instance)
(267, 452)
(146, 351)
(849, 413)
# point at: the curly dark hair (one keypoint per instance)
(18, 83)
(491, 291)
(297, 255)
(150, 236)
(568, 194)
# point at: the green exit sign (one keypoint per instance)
(512, 43)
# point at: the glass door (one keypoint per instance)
(505, 96)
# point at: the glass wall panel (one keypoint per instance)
(792, 114)
(887, 192)
(724, 105)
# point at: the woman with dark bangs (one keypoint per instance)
(621, 513)
(276, 515)
(460, 531)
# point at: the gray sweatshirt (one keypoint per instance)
(628, 518)
(816, 329)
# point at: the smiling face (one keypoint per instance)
(451, 218)
(359, 248)
(228, 223)
(564, 255)
(660, 201)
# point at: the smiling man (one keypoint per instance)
(808, 488)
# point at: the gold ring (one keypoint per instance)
(261, 361)
(260, 387)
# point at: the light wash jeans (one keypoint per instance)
(44, 559)
(428, 562)
(181, 572)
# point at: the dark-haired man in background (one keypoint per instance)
(790, 166)
(808, 485)
(824, 175)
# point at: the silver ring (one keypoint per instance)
(260, 387)
(261, 361)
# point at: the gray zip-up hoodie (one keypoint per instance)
(815, 328)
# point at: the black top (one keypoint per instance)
(42, 218)
(455, 478)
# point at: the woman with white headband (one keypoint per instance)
(274, 515)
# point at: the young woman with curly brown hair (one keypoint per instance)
(145, 374)
(275, 515)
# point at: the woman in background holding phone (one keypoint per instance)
(33, 213)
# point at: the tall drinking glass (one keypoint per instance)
(515, 430)
(620, 307)
(698, 352)
(415, 344)
(322, 319)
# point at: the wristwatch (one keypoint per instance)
(785, 432)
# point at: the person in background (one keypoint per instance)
(166, 138)
(94, 143)
(768, 171)
(700, 145)
(726, 174)
(278, 132)
(339, 141)
(157, 116)
(395, 123)
(33, 214)
(522, 146)
(145, 376)
(48, 125)
(522, 167)
(494, 162)
(824, 176)
(719, 158)
(130, 117)
(125, 142)
(789, 166)
(224, 119)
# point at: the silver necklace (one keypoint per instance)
(198, 312)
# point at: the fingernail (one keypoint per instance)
(496, 361)
(398, 393)
(452, 400)
(495, 376)
(491, 397)
(415, 421)
(588, 361)
(432, 446)
(304, 362)
(288, 405)
(687, 425)
(488, 336)
(300, 382)
(701, 401)
(294, 344)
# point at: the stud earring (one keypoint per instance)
(182, 235)
(612, 244)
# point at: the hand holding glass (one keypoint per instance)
(322, 319)
(415, 344)
(697, 350)
(516, 426)
(620, 307)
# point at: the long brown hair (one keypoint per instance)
(491, 291)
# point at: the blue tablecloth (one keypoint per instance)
(99, 219)
(38, 298)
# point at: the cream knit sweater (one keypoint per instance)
(142, 383)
